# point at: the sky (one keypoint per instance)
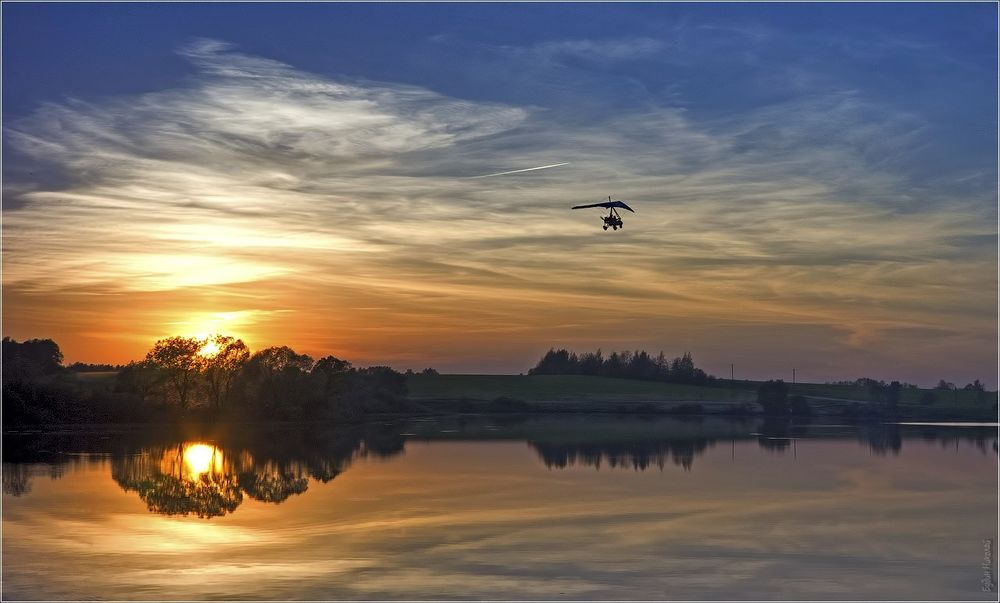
(815, 185)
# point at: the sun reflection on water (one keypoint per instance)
(200, 459)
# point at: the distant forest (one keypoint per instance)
(627, 365)
(774, 397)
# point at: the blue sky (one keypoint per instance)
(813, 179)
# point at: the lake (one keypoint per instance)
(548, 507)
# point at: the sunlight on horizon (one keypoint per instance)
(283, 203)
(206, 326)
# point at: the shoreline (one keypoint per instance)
(203, 423)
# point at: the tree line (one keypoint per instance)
(628, 365)
(185, 376)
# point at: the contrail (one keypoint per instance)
(541, 167)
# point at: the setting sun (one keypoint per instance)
(211, 348)
(499, 301)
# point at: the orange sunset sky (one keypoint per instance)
(815, 216)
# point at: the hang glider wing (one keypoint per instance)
(620, 204)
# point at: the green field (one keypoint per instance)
(582, 393)
(587, 393)
(97, 381)
(567, 389)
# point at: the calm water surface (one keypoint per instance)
(542, 508)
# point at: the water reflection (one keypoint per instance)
(636, 455)
(585, 508)
(209, 480)
(212, 477)
(189, 478)
(16, 479)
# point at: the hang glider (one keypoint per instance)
(612, 219)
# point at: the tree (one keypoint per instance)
(554, 362)
(222, 367)
(591, 363)
(892, 394)
(332, 372)
(139, 378)
(682, 369)
(179, 360)
(977, 387)
(613, 365)
(376, 385)
(30, 357)
(276, 360)
(276, 374)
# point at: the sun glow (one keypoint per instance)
(200, 459)
(211, 347)
(206, 326)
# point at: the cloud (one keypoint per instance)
(598, 50)
(531, 169)
(259, 187)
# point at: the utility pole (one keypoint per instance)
(732, 372)
(793, 376)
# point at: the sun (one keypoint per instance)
(211, 348)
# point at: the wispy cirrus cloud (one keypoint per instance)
(340, 215)
(522, 170)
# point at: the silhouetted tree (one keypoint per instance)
(277, 379)
(222, 367)
(979, 389)
(627, 364)
(554, 362)
(180, 362)
(591, 363)
(332, 372)
(330, 378)
(139, 378)
(30, 358)
(613, 365)
(892, 394)
(378, 387)
(682, 369)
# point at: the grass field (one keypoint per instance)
(97, 381)
(584, 393)
(580, 392)
(566, 388)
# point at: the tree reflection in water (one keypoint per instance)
(196, 478)
(174, 480)
(638, 455)
(174, 476)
